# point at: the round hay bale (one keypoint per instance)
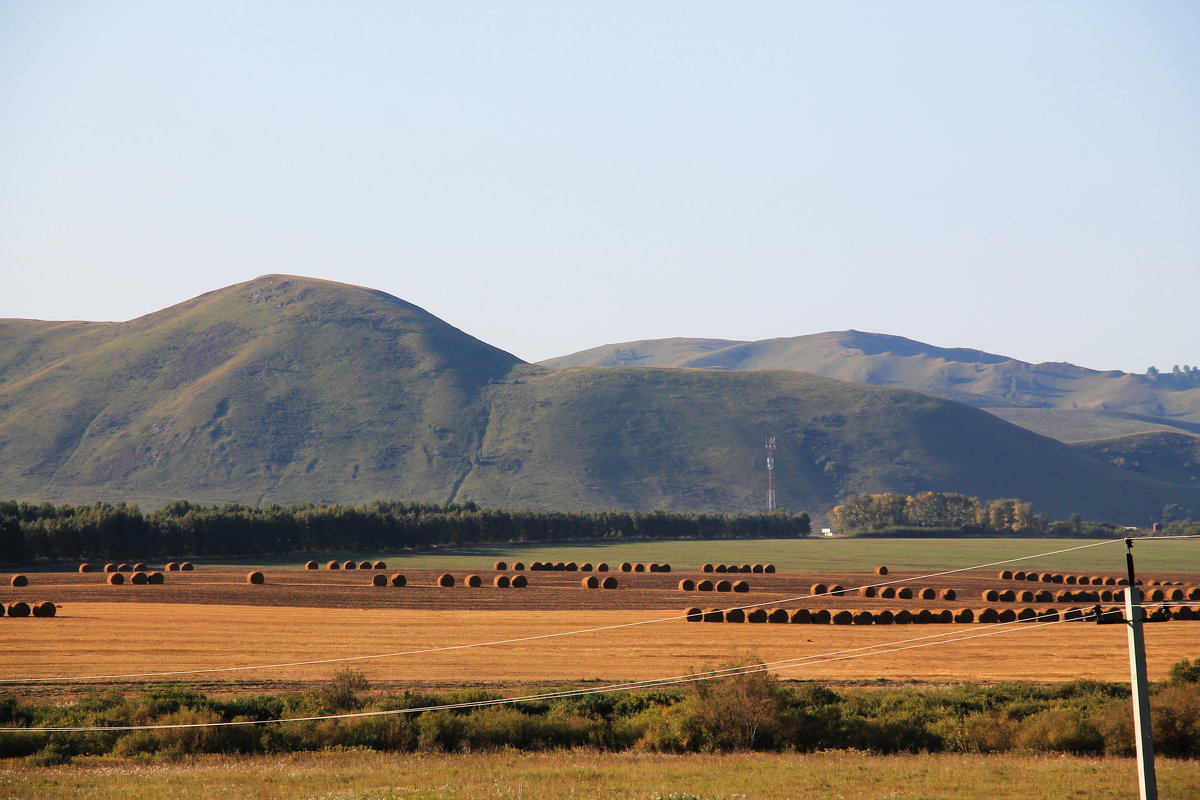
(558, 566)
(19, 608)
(904, 593)
(19, 580)
(964, 615)
(749, 568)
(590, 582)
(715, 615)
(885, 617)
(664, 567)
(821, 616)
(987, 615)
(1176, 594)
(1018, 575)
(139, 567)
(155, 578)
(837, 590)
(867, 591)
(1110, 581)
(124, 568)
(1043, 596)
(720, 568)
(1183, 612)
(500, 566)
(586, 567)
(925, 593)
(44, 609)
(333, 565)
(1026, 615)
(706, 567)
(1056, 577)
(693, 614)
(85, 567)
(741, 586)
(757, 569)
(887, 592)
(881, 570)
(903, 617)
(186, 566)
(139, 579)
(1064, 596)
(639, 567)
(1008, 596)
(864, 618)
(349, 565)
(735, 615)
(379, 579)
(1108, 595)
(110, 567)
(1154, 595)
(652, 566)
(724, 586)
(172, 566)
(818, 589)
(943, 617)
(704, 586)
(1033, 576)
(256, 577)
(1007, 615)
(364, 565)
(609, 583)
(519, 582)
(775, 616)
(756, 615)
(1193, 593)
(948, 594)
(501, 581)
(687, 585)
(1047, 615)
(445, 580)
(473, 581)
(518, 566)
(115, 578)
(307, 565)
(602, 567)
(801, 616)
(536, 566)
(1070, 579)
(990, 596)
(923, 617)
(379, 565)
(1025, 596)
(1005, 574)
(626, 567)
(1073, 615)
(571, 566)
(769, 569)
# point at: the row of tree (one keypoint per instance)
(116, 530)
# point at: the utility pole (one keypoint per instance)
(1147, 782)
(770, 474)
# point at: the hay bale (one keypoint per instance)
(706, 567)
(735, 615)
(501, 581)
(687, 585)
(925, 593)
(747, 568)
(948, 594)
(887, 592)
(110, 567)
(586, 567)
(801, 616)
(535, 566)
(500, 566)
(864, 618)
(639, 567)
(1154, 595)
(1043, 596)
(154, 578)
(364, 565)
(186, 566)
(379, 565)
(590, 582)
(349, 565)
(1070, 579)
(473, 581)
(769, 569)
(379, 579)
(519, 582)
(256, 577)
(756, 615)
(1048, 615)
(693, 614)
(1176, 594)
(1064, 596)
(1073, 615)
(333, 565)
(964, 615)
(115, 579)
(602, 567)
(1033, 576)
(943, 617)
(445, 580)
(1008, 596)
(1193, 593)
(571, 566)
(715, 615)
(172, 566)
(85, 567)
(987, 615)
(1007, 615)
(867, 591)
(139, 567)
(307, 565)
(626, 567)
(19, 580)
(1184, 613)
(518, 566)
(124, 568)
(885, 617)
(139, 579)
(559, 566)
(904, 593)
(1025, 596)
(990, 596)
(1006, 575)
(652, 566)
(1108, 595)
(704, 586)
(923, 617)
(757, 569)
(724, 586)
(822, 616)
(741, 586)
(837, 590)
(19, 608)
(664, 567)
(903, 617)
(609, 583)
(881, 570)
(721, 568)
(44, 609)
(1026, 615)
(775, 616)
(818, 589)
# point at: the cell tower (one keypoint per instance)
(770, 474)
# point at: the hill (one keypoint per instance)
(287, 389)
(1060, 400)
(1162, 455)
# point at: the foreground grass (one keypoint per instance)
(589, 774)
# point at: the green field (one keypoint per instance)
(589, 774)
(816, 554)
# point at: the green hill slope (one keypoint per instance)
(1063, 401)
(1162, 455)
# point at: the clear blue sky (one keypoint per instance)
(1020, 177)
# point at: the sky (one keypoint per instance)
(1021, 177)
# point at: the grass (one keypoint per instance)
(587, 774)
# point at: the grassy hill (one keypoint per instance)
(1162, 455)
(1060, 400)
(288, 389)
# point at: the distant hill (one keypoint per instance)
(1060, 400)
(287, 389)
(1162, 455)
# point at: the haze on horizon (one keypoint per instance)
(1016, 177)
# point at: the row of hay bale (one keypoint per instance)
(907, 593)
(138, 578)
(1059, 577)
(20, 608)
(1155, 595)
(379, 579)
(347, 565)
(689, 585)
(904, 616)
(757, 569)
(592, 582)
(560, 566)
(172, 566)
(446, 580)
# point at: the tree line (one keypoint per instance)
(50, 532)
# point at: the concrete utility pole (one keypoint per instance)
(770, 473)
(1147, 783)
